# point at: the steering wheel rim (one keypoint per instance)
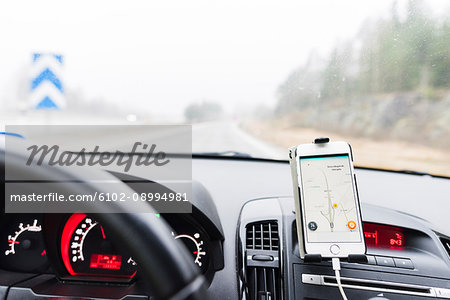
(165, 266)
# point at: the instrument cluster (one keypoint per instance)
(76, 246)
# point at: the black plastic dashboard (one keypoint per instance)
(246, 191)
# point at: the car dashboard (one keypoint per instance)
(405, 259)
(242, 236)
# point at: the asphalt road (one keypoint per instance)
(227, 136)
(220, 136)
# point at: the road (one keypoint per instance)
(217, 136)
(227, 136)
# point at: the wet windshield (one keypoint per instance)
(253, 77)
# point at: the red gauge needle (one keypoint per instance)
(103, 233)
(195, 252)
(14, 242)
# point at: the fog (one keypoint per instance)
(159, 56)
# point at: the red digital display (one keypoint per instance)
(101, 261)
(382, 236)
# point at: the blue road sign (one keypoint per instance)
(46, 87)
(47, 74)
(47, 103)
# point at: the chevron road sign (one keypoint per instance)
(46, 87)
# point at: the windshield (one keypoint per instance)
(254, 77)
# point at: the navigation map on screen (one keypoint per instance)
(329, 201)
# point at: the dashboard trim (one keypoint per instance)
(272, 212)
(368, 285)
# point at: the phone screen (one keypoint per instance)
(329, 201)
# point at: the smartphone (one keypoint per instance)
(326, 200)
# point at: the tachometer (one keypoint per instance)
(87, 250)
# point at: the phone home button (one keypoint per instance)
(334, 249)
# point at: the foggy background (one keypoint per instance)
(157, 56)
(252, 76)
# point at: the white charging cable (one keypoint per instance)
(337, 267)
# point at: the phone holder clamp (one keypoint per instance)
(321, 140)
(351, 258)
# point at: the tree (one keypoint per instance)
(203, 111)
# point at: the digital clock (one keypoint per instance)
(383, 236)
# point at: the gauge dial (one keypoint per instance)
(87, 250)
(25, 250)
(21, 238)
(194, 246)
(193, 237)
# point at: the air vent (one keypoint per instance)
(446, 243)
(263, 283)
(263, 261)
(262, 236)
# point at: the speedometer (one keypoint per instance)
(87, 250)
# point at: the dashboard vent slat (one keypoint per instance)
(446, 243)
(262, 236)
(263, 279)
(263, 283)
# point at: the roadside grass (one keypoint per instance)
(368, 152)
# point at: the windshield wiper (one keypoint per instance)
(412, 172)
(229, 153)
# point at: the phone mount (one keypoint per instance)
(317, 258)
(321, 140)
(351, 258)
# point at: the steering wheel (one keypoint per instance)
(163, 264)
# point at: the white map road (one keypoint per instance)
(329, 200)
